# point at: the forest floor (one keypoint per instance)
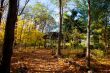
(42, 61)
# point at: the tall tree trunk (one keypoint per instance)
(88, 37)
(58, 52)
(21, 33)
(62, 24)
(45, 41)
(9, 37)
(1, 10)
(105, 36)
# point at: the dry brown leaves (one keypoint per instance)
(41, 61)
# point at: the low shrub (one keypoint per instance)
(97, 52)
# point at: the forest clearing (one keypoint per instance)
(54, 36)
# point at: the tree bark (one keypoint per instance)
(9, 37)
(58, 52)
(88, 37)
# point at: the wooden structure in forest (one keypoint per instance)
(53, 37)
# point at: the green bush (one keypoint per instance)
(98, 45)
(97, 52)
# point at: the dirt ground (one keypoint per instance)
(42, 61)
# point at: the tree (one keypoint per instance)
(88, 37)
(40, 16)
(21, 11)
(9, 37)
(61, 3)
(82, 7)
(1, 10)
(72, 28)
(58, 52)
(100, 15)
(3, 6)
(19, 31)
(99, 10)
(62, 6)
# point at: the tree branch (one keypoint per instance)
(26, 2)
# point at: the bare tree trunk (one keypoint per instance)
(62, 23)
(45, 41)
(105, 36)
(58, 52)
(88, 37)
(9, 37)
(20, 39)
